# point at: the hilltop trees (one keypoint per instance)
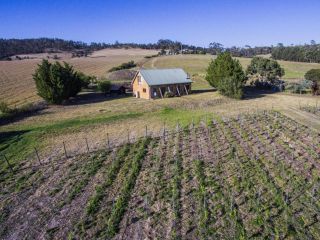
(264, 71)
(56, 82)
(302, 53)
(226, 74)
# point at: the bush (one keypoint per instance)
(127, 65)
(86, 79)
(313, 75)
(168, 94)
(104, 86)
(226, 74)
(55, 82)
(299, 87)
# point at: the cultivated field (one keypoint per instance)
(252, 176)
(17, 86)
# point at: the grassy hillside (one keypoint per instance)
(196, 65)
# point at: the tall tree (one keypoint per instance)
(264, 70)
(226, 74)
(55, 82)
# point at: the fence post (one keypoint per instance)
(36, 151)
(146, 130)
(65, 150)
(108, 141)
(11, 168)
(87, 145)
(128, 136)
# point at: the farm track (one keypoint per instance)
(249, 177)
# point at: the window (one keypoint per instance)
(139, 80)
(144, 90)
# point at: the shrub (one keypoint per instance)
(104, 86)
(313, 75)
(86, 79)
(299, 87)
(127, 65)
(226, 74)
(55, 82)
(168, 94)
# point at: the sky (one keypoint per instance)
(196, 22)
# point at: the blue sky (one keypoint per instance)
(229, 22)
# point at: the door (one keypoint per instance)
(138, 94)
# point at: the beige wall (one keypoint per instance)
(136, 87)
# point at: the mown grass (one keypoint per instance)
(19, 143)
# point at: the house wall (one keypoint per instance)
(138, 88)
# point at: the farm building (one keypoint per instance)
(158, 83)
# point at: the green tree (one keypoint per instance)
(226, 74)
(314, 76)
(104, 86)
(264, 70)
(56, 82)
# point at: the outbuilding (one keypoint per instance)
(158, 83)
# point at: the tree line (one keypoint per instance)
(301, 53)
(11, 47)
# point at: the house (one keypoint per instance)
(157, 83)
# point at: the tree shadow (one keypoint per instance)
(11, 136)
(198, 91)
(254, 92)
(19, 114)
(91, 97)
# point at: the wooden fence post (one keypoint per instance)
(108, 141)
(87, 145)
(36, 151)
(128, 136)
(146, 130)
(65, 150)
(11, 168)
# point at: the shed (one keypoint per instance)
(155, 83)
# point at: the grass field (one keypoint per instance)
(196, 65)
(253, 176)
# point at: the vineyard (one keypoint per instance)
(312, 109)
(251, 176)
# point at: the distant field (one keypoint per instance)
(196, 66)
(17, 86)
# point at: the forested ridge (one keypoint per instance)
(300, 53)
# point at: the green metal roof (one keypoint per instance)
(165, 76)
